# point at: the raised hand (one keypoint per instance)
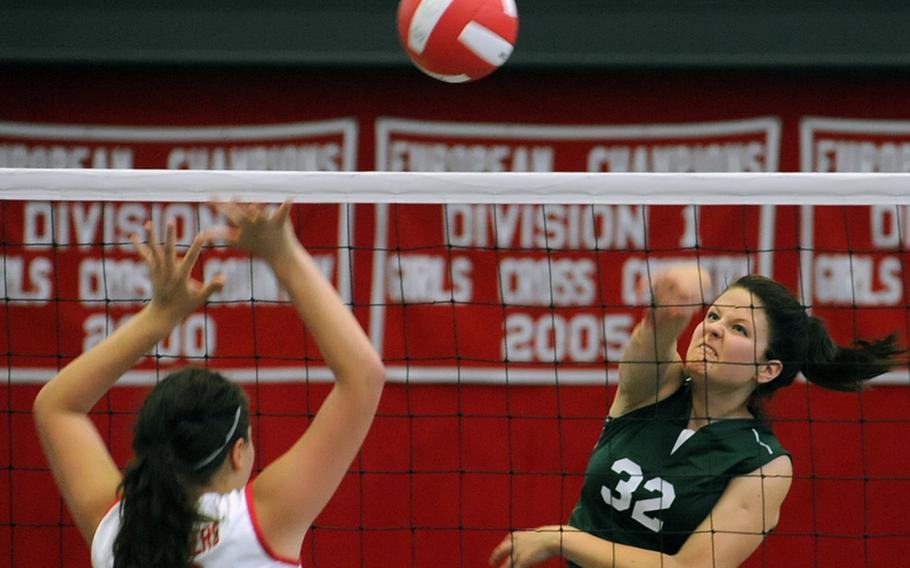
(254, 227)
(679, 292)
(174, 290)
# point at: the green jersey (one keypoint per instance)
(650, 480)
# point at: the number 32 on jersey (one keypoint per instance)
(620, 497)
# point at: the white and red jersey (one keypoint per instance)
(233, 539)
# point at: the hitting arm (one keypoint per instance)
(651, 369)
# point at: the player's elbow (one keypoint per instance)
(368, 381)
(376, 375)
(45, 410)
(771, 523)
(42, 406)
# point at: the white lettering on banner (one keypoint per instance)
(194, 337)
(861, 156)
(23, 156)
(723, 269)
(90, 224)
(59, 156)
(544, 282)
(125, 281)
(555, 227)
(857, 280)
(889, 226)
(246, 280)
(115, 158)
(679, 158)
(554, 337)
(26, 281)
(324, 157)
(422, 278)
(408, 156)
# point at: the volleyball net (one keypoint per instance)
(500, 304)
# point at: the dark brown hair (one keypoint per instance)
(179, 443)
(802, 344)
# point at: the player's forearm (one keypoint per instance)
(654, 338)
(648, 360)
(342, 342)
(79, 385)
(589, 551)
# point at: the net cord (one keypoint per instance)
(37, 184)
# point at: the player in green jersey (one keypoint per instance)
(685, 472)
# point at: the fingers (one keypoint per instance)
(214, 285)
(144, 251)
(501, 555)
(238, 213)
(152, 233)
(164, 256)
(153, 242)
(283, 212)
(256, 212)
(681, 284)
(252, 225)
(170, 245)
(149, 252)
(220, 233)
(189, 259)
(231, 210)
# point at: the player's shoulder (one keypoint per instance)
(754, 446)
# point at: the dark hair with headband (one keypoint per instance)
(185, 429)
(802, 344)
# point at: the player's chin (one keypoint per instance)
(697, 368)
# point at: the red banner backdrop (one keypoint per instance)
(499, 322)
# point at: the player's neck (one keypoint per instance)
(710, 406)
(225, 480)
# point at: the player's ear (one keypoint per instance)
(236, 453)
(769, 371)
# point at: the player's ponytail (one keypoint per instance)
(184, 431)
(802, 344)
(157, 515)
(845, 368)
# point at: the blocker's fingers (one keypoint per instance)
(216, 284)
(154, 244)
(189, 260)
(152, 234)
(220, 233)
(231, 210)
(256, 212)
(170, 242)
(284, 211)
(141, 248)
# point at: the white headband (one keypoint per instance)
(201, 464)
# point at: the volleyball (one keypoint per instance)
(458, 40)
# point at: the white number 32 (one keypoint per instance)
(620, 498)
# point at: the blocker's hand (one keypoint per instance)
(265, 232)
(174, 290)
